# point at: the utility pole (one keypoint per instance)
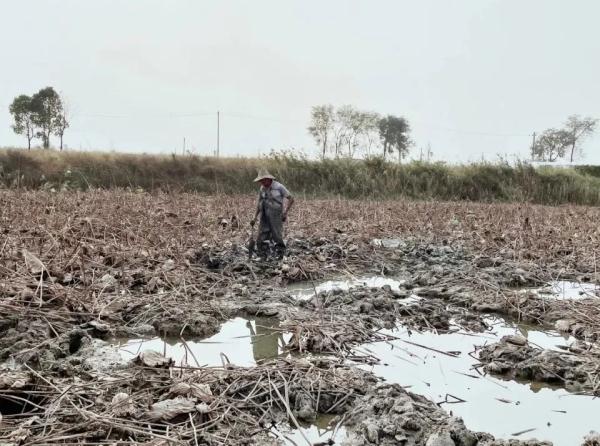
(533, 148)
(218, 132)
(183, 152)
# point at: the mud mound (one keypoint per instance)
(576, 368)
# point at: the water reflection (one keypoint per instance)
(491, 404)
(324, 429)
(499, 406)
(564, 289)
(388, 243)
(266, 338)
(241, 341)
(303, 290)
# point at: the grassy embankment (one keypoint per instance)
(347, 178)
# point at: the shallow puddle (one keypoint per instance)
(387, 243)
(303, 290)
(243, 342)
(564, 289)
(488, 404)
(500, 407)
(322, 430)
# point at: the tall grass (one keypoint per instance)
(590, 170)
(371, 178)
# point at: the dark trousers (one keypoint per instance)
(270, 229)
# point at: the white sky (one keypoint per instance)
(474, 77)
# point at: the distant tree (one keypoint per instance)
(394, 135)
(552, 144)
(425, 153)
(349, 130)
(579, 128)
(371, 130)
(340, 129)
(321, 125)
(61, 124)
(353, 121)
(48, 110)
(24, 118)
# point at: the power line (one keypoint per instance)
(235, 115)
(144, 115)
(470, 132)
(260, 118)
(241, 115)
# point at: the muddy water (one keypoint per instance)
(243, 342)
(306, 291)
(500, 407)
(564, 289)
(387, 243)
(324, 428)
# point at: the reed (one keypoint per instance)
(372, 178)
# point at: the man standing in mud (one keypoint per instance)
(273, 213)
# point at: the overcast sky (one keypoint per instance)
(475, 78)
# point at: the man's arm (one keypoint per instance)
(290, 203)
(253, 222)
(257, 211)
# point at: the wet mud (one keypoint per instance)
(575, 366)
(81, 286)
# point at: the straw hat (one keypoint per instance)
(263, 174)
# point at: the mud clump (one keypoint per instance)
(384, 307)
(513, 356)
(390, 415)
(333, 335)
(93, 358)
(379, 303)
(180, 322)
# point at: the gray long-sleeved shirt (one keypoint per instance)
(273, 196)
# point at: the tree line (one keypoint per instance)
(563, 142)
(340, 132)
(40, 116)
(346, 131)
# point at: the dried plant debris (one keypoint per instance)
(79, 269)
